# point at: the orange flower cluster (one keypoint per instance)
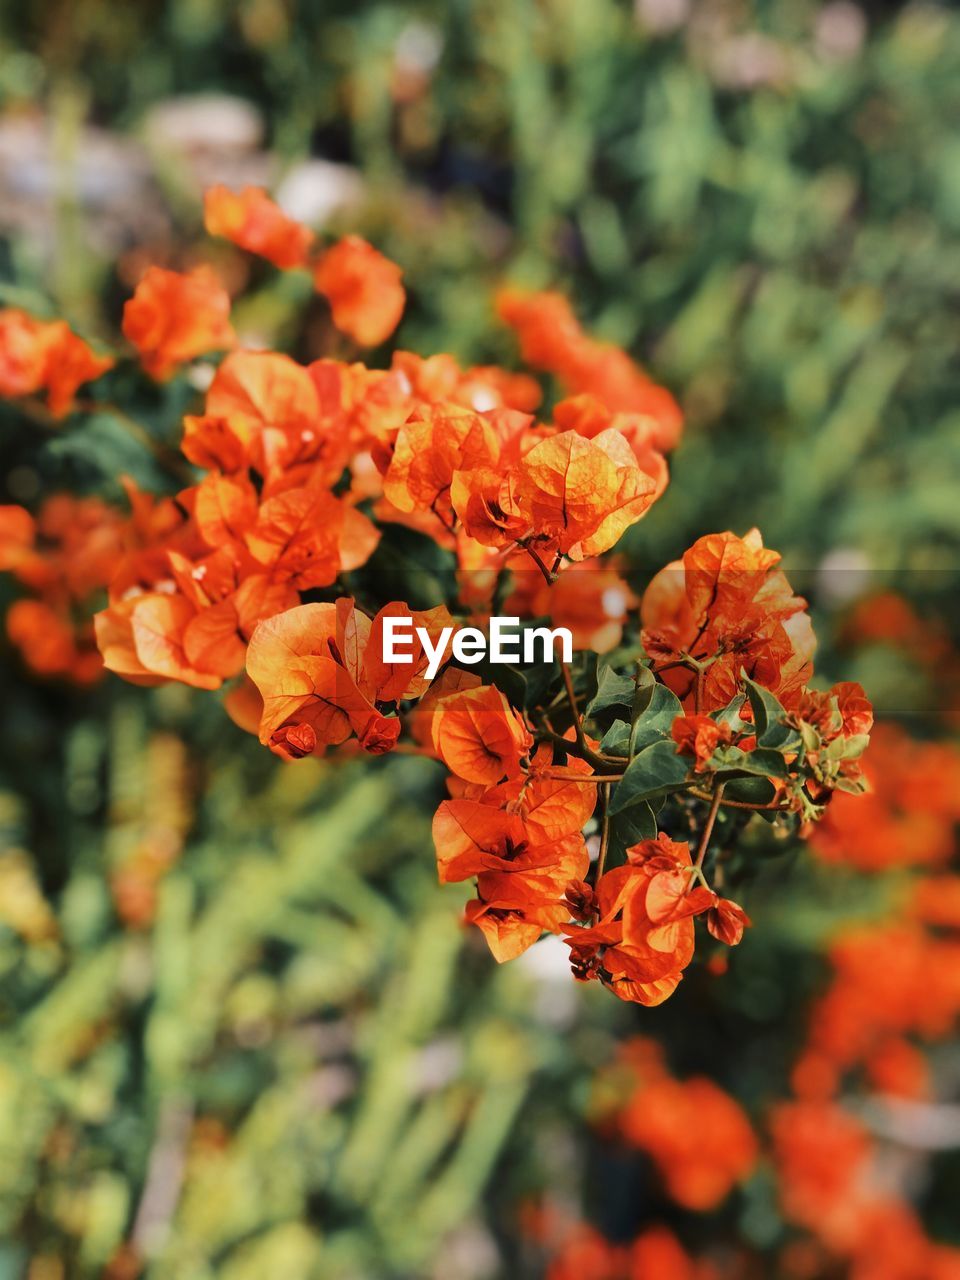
(725, 608)
(829, 1185)
(655, 1254)
(857, 1024)
(40, 356)
(174, 317)
(363, 287)
(637, 935)
(698, 1136)
(602, 376)
(260, 575)
(908, 817)
(65, 558)
(517, 830)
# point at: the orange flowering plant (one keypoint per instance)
(594, 798)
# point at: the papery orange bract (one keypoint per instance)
(553, 801)
(727, 603)
(479, 736)
(582, 494)
(265, 411)
(322, 665)
(484, 500)
(158, 624)
(699, 736)
(36, 356)
(726, 921)
(174, 317)
(589, 417)
(429, 449)
(363, 288)
(254, 222)
(643, 938)
(520, 883)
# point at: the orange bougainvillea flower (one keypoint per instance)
(552, 801)
(479, 736)
(265, 411)
(254, 222)
(174, 317)
(697, 1135)
(520, 883)
(36, 356)
(582, 494)
(699, 736)
(428, 450)
(320, 671)
(643, 937)
(728, 607)
(589, 417)
(308, 536)
(64, 557)
(363, 288)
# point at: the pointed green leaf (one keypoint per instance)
(656, 770)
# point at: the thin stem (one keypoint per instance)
(708, 830)
(602, 763)
(550, 575)
(589, 779)
(572, 699)
(604, 834)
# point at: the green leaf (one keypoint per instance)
(613, 690)
(763, 762)
(730, 714)
(769, 718)
(656, 770)
(616, 741)
(627, 829)
(656, 721)
(754, 790)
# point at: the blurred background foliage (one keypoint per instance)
(242, 1032)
